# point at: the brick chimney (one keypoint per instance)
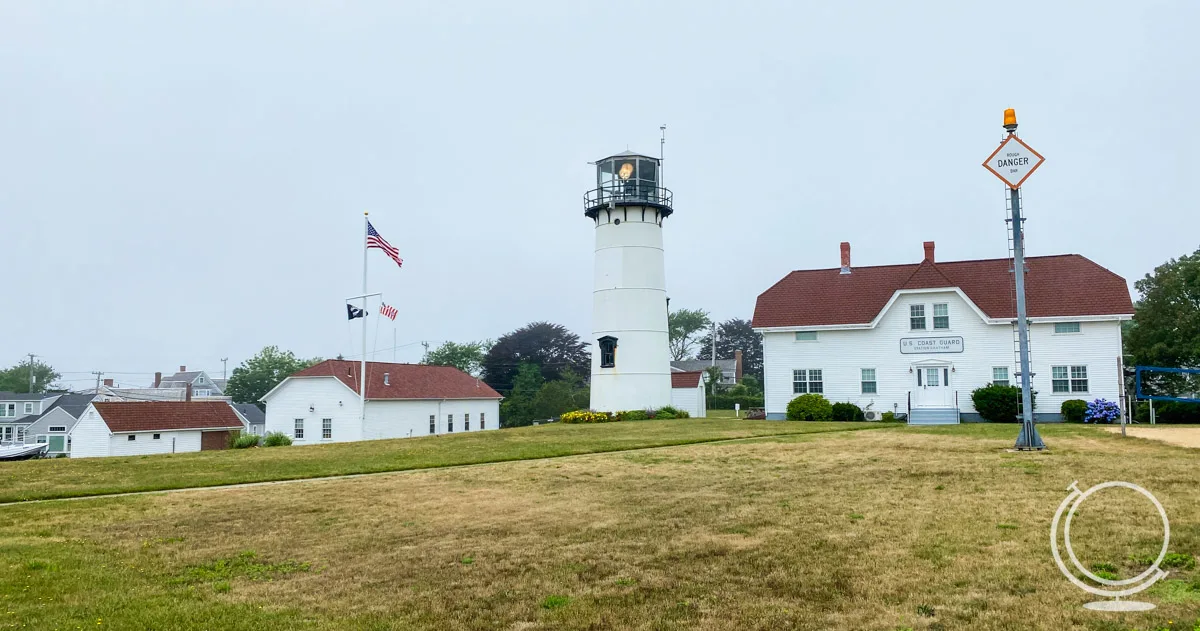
(183, 369)
(108, 382)
(929, 251)
(157, 379)
(737, 361)
(845, 257)
(187, 392)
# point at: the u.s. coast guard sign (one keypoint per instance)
(919, 345)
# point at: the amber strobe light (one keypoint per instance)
(1010, 119)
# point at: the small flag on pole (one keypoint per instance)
(387, 311)
(376, 241)
(354, 312)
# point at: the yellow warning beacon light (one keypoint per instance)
(1010, 119)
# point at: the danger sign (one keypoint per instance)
(1013, 161)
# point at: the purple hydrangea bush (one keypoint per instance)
(1102, 411)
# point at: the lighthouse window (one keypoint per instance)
(608, 351)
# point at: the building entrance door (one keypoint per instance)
(932, 386)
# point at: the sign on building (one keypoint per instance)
(921, 345)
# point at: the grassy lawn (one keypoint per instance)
(56, 478)
(894, 529)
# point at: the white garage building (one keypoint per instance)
(320, 404)
(918, 338)
(137, 428)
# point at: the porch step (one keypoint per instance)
(933, 416)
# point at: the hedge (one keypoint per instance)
(1073, 410)
(726, 401)
(998, 403)
(587, 416)
(847, 412)
(1168, 412)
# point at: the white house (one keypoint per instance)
(918, 338)
(252, 417)
(320, 404)
(109, 428)
(53, 427)
(687, 392)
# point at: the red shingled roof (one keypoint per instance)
(405, 381)
(146, 416)
(1065, 285)
(686, 379)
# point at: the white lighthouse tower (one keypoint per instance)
(631, 359)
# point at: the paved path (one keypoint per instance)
(1181, 436)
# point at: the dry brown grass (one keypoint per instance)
(1181, 436)
(854, 530)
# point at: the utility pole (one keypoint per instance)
(98, 374)
(426, 345)
(714, 343)
(31, 356)
(224, 366)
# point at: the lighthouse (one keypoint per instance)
(631, 360)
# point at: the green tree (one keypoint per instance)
(467, 357)
(16, 379)
(1165, 330)
(713, 376)
(259, 374)
(551, 348)
(517, 409)
(684, 327)
(736, 335)
(554, 398)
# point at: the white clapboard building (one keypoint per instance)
(918, 338)
(320, 404)
(139, 428)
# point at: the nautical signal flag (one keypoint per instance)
(354, 312)
(387, 311)
(376, 241)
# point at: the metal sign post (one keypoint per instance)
(1013, 162)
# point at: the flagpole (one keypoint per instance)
(362, 385)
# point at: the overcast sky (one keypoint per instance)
(185, 181)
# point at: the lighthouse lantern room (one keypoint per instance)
(631, 361)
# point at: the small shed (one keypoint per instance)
(152, 427)
(687, 392)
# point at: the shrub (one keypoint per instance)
(999, 403)
(670, 412)
(1102, 411)
(635, 415)
(1073, 410)
(809, 407)
(889, 417)
(847, 412)
(587, 416)
(245, 440)
(276, 439)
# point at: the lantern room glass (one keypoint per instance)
(628, 177)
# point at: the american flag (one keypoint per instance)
(376, 241)
(387, 311)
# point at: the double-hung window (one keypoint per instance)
(807, 381)
(8, 410)
(298, 429)
(481, 420)
(1068, 379)
(916, 317)
(432, 423)
(869, 385)
(941, 315)
(467, 422)
(29, 408)
(1000, 375)
(327, 428)
(449, 422)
